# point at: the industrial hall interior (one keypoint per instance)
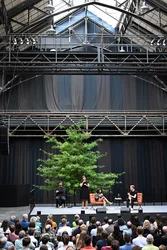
(102, 63)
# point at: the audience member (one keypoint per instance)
(25, 222)
(128, 245)
(140, 240)
(88, 244)
(149, 245)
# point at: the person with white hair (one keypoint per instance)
(3, 241)
(24, 222)
(164, 237)
(149, 246)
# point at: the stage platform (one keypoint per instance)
(98, 211)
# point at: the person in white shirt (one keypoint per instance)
(64, 228)
(140, 240)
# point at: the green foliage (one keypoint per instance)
(76, 156)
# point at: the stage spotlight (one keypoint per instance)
(153, 42)
(21, 41)
(144, 7)
(14, 41)
(51, 31)
(159, 41)
(49, 7)
(27, 41)
(164, 42)
(33, 41)
(122, 49)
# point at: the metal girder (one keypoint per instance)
(98, 124)
(75, 62)
(155, 26)
(21, 7)
(5, 18)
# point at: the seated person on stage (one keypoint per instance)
(132, 196)
(100, 197)
(60, 195)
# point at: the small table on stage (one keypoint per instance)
(118, 201)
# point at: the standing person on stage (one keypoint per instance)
(60, 195)
(132, 196)
(84, 191)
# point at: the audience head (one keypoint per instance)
(162, 247)
(136, 248)
(115, 245)
(120, 222)
(105, 219)
(65, 239)
(83, 227)
(25, 217)
(164, 229)
(98, 223)
(64, 221)
(3, 240)
(87, 240)
(99, 230)
(48, 228)
(146, 224)
(80, 222)
(76, 217)
(45, 239)
(109, 240)
(110, 221)
(33, 219)
(140, 230)
(129, 224)
(21, 234)
(149, 239)
(127, 238)
(26, 241)
(12, 218)
(43, 247)
(93, 220)
(12, 228)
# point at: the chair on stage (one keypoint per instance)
(139, 200)
(93, 201)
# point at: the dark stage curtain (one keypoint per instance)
(84, 93)
(144, 161)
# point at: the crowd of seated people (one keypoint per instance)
(25, 234)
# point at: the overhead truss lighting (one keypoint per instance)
(144, 7)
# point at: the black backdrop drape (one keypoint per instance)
(144, 161)
(83, 93)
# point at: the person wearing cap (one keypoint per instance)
(150, 246)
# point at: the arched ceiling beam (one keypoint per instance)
(156, 27)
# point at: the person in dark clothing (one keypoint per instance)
(60, 195)
(132, 196)
(84, 185)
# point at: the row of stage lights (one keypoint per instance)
(20, 41)
(159, 41)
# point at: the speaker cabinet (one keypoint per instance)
(101, 210)
(4, 140)
(125, 210)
